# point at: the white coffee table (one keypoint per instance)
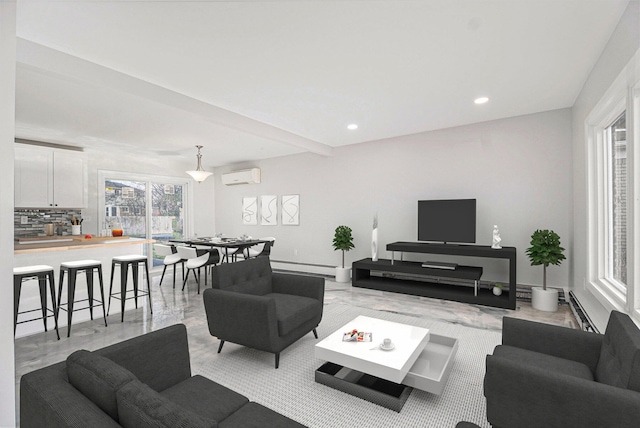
(419, 359)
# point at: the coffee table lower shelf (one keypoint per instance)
(373, 389)
(429, 373)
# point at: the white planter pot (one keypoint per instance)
(544, 300)
(343, 274)
(497, 291)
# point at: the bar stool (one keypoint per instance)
(89, 267)
(124, 262)
(41, 273)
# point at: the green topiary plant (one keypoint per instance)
(342, 240)
(545, 250)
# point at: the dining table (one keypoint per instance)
(223, 243)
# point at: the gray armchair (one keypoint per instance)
(551, 376)
(250, 305)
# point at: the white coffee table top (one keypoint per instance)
(367, 357)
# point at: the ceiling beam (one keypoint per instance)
(53, 62)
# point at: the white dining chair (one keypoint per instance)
(262, 249)
(195, 259)
(171, 258)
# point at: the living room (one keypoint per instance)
(526, 169)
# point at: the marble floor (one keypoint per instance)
(171, 306)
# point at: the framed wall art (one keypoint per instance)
(268, 210)
(290, 210)
(250, 210)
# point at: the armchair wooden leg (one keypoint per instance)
(220, 347)
(277, 360)
(315, 333)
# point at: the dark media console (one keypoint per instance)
(406, 277)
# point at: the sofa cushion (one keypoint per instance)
(619, 363)
(140, 406)
(543, 361)
(253, 415)
(98, 378)
(220, 401)
(293, 311)
(258, 286)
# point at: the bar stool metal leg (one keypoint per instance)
(42, 274)
(72, 269)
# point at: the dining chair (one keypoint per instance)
(262, 249)
(195, 259)
(229, 255)
(171, 258)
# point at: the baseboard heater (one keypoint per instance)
(581, 315)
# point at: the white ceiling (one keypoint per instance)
(258, 79)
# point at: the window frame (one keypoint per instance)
(620, 98)
(148, 179)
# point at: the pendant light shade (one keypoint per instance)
(199, 174)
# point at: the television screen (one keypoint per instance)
(452, 220)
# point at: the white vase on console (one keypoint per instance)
(374, 239)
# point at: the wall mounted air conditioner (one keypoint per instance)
(246, 176)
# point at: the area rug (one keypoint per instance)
(292, 391)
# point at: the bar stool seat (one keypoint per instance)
(41, 273)
(124, 262)
(72, 268)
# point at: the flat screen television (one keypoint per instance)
(447, 220)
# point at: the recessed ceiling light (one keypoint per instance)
(481, 100)
(352, 126)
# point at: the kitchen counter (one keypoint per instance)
(70, 242)
(56, 250)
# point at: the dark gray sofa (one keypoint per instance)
(250, 305)
(142, 382)
(550, 376)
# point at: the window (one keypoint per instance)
(617, 188)
(144, 206)
(613, 159)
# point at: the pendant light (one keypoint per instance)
(199, 174)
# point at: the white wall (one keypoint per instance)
(518, 169)
(622, 45)
(7, 129)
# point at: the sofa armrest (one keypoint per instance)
(562, 342)
(47, 399)
(140, 354)
(523, 396)
(245, 319)
(299, 285)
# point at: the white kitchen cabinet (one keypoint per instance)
(49, 178)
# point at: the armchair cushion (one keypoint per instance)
(140, 407)
(259, 286)
(220, 403)
(293, 311)
(619, 363)
(98, 378)
(545, 362)
(231, 275)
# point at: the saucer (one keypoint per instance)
(389, 348)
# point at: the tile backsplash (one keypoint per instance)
(37, 219)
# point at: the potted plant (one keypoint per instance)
(342, 240)
(545, 250)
